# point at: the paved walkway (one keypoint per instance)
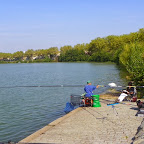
(88, 125)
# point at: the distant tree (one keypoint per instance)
(29, 53)
(5, 55)
(53, 51)
(40, 53)
(18, 55)
(74, 54)
(64, 49)
(97, 45)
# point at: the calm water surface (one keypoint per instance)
(25, 110)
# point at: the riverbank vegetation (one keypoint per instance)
(126, 50)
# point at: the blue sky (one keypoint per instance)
(41, 24)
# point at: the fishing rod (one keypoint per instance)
(111, 85)
(42, 86)
(33, 86)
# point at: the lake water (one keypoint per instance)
(23, 110)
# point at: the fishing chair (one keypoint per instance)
(77, 100)
(88, 101)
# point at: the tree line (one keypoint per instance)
(126, 50)
(41, 55)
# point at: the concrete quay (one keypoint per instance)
(89, 125)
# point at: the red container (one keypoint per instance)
(134, 99)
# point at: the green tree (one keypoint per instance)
(133, 61)
(29, 53)
(18, 55)
(140, 35)
(53, 51)
(74, 54)
(64, 49)
(97, 45)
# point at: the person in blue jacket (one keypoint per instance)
(89, 89)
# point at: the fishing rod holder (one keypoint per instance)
(114, 110)
(113, 107)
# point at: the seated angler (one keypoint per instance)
(89, 90)
(131, 90)
(128, 94)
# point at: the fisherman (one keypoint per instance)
(128, 94)
(89, 90)
(131, 91)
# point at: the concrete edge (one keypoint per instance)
(140, 141)
(47, 127)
